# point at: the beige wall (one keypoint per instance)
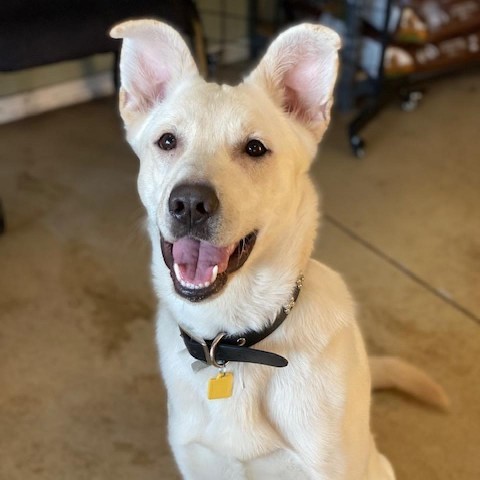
(33, 78)
(235, 43)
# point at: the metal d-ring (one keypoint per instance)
(204, 345)
(213, 347)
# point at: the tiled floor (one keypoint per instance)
(80, 395)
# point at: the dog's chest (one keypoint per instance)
(238, 429)
(235, 426)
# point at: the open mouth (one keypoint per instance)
(200, 269)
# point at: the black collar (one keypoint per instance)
(236, 348)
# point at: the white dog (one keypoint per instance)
(232, 216)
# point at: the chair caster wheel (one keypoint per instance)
(358, 146)
(410, 100)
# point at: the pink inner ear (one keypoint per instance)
(307, 88)
(152, 80)
(302, 76)
(148, 82)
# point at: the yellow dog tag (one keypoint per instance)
(221, 386)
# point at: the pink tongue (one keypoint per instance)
(196, 259)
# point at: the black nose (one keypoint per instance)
(192, 204)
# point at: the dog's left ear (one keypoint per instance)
(299, 71)
(154, 60)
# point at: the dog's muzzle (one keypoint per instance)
(198, 267)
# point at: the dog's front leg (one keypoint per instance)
(327, 395)
(194, 450)
(197, 462)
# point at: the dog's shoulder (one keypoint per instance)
(326, 288)
(325, 305)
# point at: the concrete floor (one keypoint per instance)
(80, 397)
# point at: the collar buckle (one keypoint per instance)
(203, 343)
(210, 352)
(213, 348)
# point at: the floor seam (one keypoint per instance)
(402, 268)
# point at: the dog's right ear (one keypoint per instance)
(154, 59)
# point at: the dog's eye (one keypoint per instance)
(167, 141)
(255, 148)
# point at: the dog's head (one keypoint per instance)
(221, 167)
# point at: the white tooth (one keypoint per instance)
(176, 269)
(206, 284)
(200, 285)
(214, 274)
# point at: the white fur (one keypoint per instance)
(309, 420)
